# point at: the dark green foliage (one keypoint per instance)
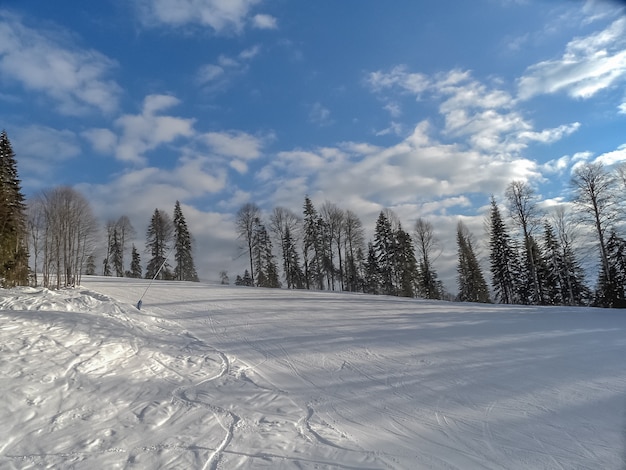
(291, 262)
(116, 255)
(135, 264)
(371, 276)
(471, 281)
(505, 270)
(13, 237)
(384, 248)
(611, 286)
(246, 280)
(185, 269)
(264, 262)
(405, 264)
(312, 247)
(158, 237)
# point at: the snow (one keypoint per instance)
(219, 377)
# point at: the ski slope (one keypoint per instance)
(217, 377)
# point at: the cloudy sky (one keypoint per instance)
(426, 108)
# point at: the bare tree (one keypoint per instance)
(125, 232)
(333, 218)
(36, 227)
(594, 198)
(426, 245)
(69, 235)
(522, 205)
(354, 241)
(248, 217)
(284, 225)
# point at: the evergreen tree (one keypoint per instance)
(246, 280)
(90, 267)
(471, 281)
(185, 269)
(312, 251)
(354, 238)
(135, 264)
(503, 257)
(384, 248)
(264, 262)
(117, 256)
(371, 275)
(293, 272)
(405, 264)
(13, 237)
(611, 285)
(158, 237)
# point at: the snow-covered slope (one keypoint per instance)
(212, 377)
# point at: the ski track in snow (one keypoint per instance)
(212, 377)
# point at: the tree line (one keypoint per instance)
(533, 257)
(57, 231)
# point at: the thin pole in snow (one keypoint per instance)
(155, 276)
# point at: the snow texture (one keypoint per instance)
(216, 377)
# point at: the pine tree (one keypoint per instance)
(185, 269)
(371, 275)
(313, 256)
(13, 237)
(405, 264)
(293, 272)
(471, 281)
(611, 285)
(90, 267)
(384, 247)
(117, 256)
(504, 264)
(158, 236)
(135, 264)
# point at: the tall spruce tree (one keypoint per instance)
(13, 220)
(117, 255)
(405, 264)
(312, 247)
(505, 270)
(185, 269)
(429, 286)
(471, 281)
(611, 292)
(158, 238)
(384, 247)
(371, 274)
(135, 264)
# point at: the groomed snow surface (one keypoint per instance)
(214, 377)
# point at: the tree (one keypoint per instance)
(405, 264)
(185, 269)
(224, 280)
(612, 282)
(384, 246)
(247, 218)
(116, 254)
(266, 269)
(90, 266)
(371, 275)
(503, 259)
(69, 230)
(312, 249)
(522, 204)
(471, 281)
(595, 201)
(13, 220)
(135, 264)
(284, 225)
(429, 285)
(333, 220)
(354, 241)
(125, 231)
(158, 237)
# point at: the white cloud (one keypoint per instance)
(262, 21)
(223, 16)
(102, 140)
(320, 115)
(146, 131)
(218, 76)
(235, 144)
(589, 64)
(615, 156)
(47, 62)
(414, 83)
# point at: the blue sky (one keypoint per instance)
(426, 108)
